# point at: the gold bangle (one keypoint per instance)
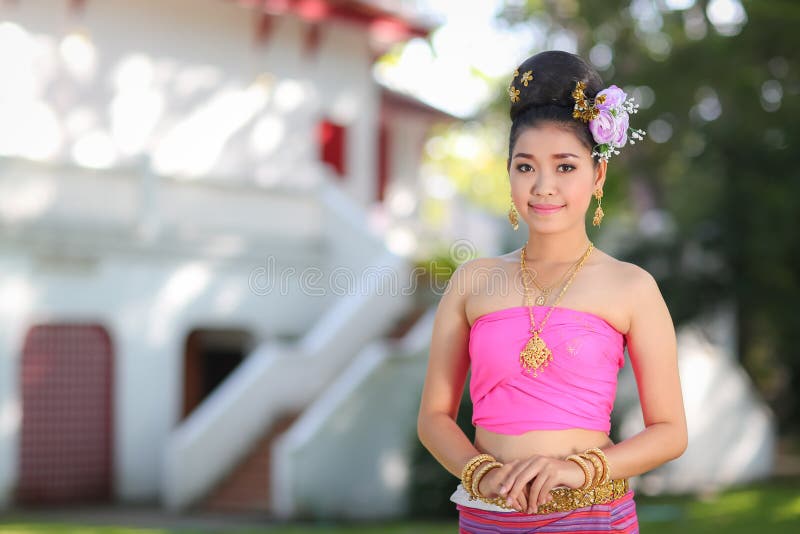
(606, 468)
(475, 460)
(599, 468)
(476, 480)
(469, 469)
(469, 480)
(587, 480)
(479, 474)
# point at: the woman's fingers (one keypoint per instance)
(522, 501)
(540, 488)
(527, 474)
(526, 484)
(492, 482)
(516, 495)
(516, 482)
(509, 479)
(515, 467)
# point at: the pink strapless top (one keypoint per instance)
(575, 390)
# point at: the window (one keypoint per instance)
(332, 143)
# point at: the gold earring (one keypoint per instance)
(513, 215)
(598, 213)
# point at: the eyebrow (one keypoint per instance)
(561, 155)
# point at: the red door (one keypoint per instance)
(65, 449)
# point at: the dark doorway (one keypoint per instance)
(210, 356)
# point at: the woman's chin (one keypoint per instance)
(547, 226)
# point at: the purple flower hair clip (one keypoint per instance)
(608, 117)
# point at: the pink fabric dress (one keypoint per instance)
(575, 390)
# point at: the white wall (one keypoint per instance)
(148, 305)
(157, 158)
(183, 86)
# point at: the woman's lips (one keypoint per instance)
(545, 209)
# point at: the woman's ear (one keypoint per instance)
(600, 174)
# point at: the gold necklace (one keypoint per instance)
(536, 353)
(541, 299)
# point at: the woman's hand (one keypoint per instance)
(532, 479)
(490, 485)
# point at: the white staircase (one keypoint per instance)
(278, 378)
(358, 436)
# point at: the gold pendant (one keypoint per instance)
(535, 355)
(540, 300)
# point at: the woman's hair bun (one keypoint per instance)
(551, 76)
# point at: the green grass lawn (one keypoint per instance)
(772, 507)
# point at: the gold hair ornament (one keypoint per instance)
(513, 92)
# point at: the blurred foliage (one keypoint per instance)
(472, 155)
(766, 506)
(432, 275)
(437, 268)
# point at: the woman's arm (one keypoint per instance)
(448, 364)
(652, 348)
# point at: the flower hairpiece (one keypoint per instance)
(608, 116)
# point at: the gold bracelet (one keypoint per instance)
(587, 480)
(474, 488)
(476, 480)
(469, 469)
(475, 460)
(599, 468)
(469, 480)
(606, 468)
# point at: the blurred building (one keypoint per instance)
(193, 269)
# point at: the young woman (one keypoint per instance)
(544, 371)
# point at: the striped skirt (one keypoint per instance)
(615, 516)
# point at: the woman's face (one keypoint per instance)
(553, 177)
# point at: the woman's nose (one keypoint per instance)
(544, 185)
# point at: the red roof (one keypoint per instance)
(388, 24)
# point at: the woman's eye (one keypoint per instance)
(521, 167)
(565, 167)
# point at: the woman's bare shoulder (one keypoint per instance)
(633, 276)
(633, 283)
(485, 283)
(622, 283)
(622, 273)
(475, 266)
(462, 282)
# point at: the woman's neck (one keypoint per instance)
(557, 248)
